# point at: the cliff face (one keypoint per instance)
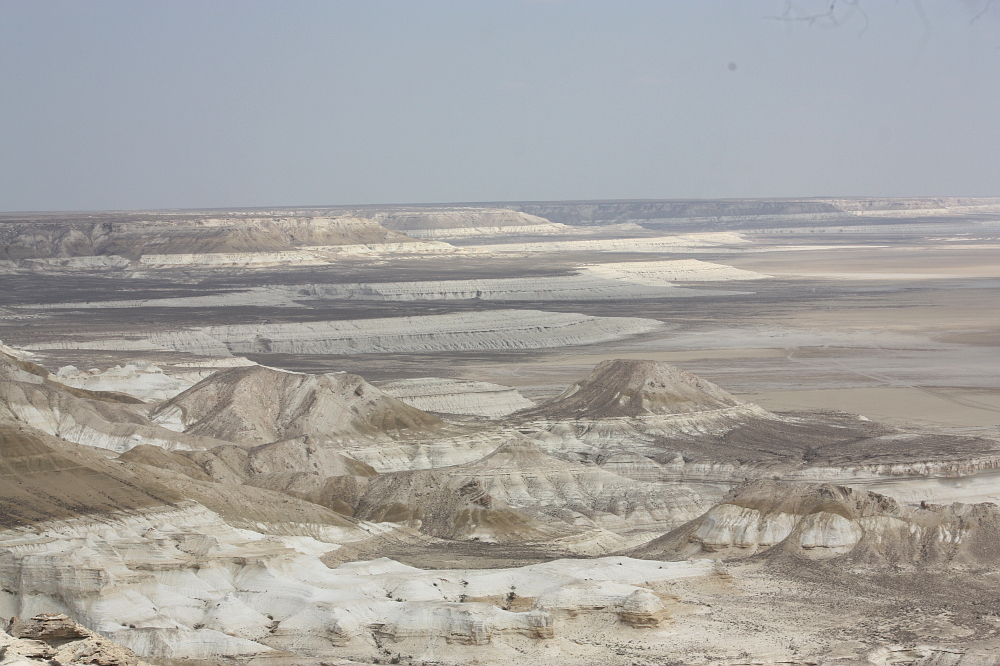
(177, 234)
(456, 218)
(461, 331)
(745, 213)
(53, 638)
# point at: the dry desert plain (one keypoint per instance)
(620, 432)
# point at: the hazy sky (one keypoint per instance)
(215, 103)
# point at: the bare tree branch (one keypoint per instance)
(985, 9)
(830, 16)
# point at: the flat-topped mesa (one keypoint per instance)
(195, 234)
(457, 218)
(629, 388)
(258, 405)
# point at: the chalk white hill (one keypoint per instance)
(173, 567)
(182, 584)
(259, 405)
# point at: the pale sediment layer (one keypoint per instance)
(683, 243)
(450, 219)
(311, 257)
(162, 234)
(489, 330)
(583, 287)
(510, 230)
(668, 271)
(517, 493)
(451, 396)
(143, 379)
(611, 281)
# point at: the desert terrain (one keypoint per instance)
(604, 432)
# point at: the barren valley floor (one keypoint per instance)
(640, 438)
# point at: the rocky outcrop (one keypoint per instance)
(56, 639)
(49, 628)
(811, 521)
(643, 609)
(518, 494)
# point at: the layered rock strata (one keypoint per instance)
(811, 521)
(30, 395)
(450, 396)
(193, 235)
(53, 638)
(468, 331)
